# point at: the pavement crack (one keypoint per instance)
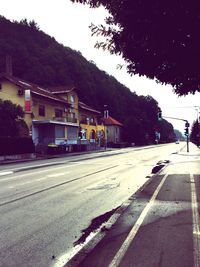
(94, 225)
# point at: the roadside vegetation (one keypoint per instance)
(40, 59)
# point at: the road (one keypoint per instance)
(45, 205)
(160, 227)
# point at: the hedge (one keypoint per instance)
(16, 145)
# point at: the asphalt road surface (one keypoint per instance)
(45, 205)
(160, 228)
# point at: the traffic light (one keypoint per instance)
(186, 131)
(159, 114)
(187, 124)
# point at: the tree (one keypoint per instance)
(195, 137)
(166, 132)
(39, 59)
(159, 39)
(179, 135)
(10, 116)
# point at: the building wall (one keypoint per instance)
(50, 107)
(113, 133)
(9, 91)
(74, 105)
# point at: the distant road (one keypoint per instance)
(44, 205)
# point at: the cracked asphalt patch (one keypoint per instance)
(95, 224)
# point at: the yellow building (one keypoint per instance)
(91, 124)
(53, 115)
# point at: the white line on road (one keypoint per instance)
(6, 173)
(30, 173)
(195, 218)
(57, 174)
(43, 178)
(121, 252)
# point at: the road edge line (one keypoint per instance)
(195, 222)
(121, 252)
(88, 246)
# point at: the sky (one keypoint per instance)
(69, 24)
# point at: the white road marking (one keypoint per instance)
(57, 174)
(40, 179)
(195, 218)
(62, 260)
(121, 252)
(6, 173)
(28, 174)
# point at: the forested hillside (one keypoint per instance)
(38, 58)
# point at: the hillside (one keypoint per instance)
(38, 58)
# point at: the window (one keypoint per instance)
(72, 98)
(41, 110)
(0, 86)
(73, 115)
(58, 113)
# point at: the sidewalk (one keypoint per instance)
(34, 157)
(161, 225)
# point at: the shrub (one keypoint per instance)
(16, 145)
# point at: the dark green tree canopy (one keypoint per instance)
(38, 58)
(195, 133)
(159, 39)
(10, 116)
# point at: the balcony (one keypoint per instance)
(65, 119)
(73, 120)
(62, 119)
(87, 121)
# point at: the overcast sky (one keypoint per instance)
(68, 23)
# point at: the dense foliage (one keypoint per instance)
(38, 58)
(179, 135)
(10, 119)
(166, 132)
(159, 39)
(16, 145)
(195, 133)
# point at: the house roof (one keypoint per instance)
(35, 89)
(111, 121)
(88, 108)
(61, 89)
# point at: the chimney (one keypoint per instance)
(105, 111)
(9, 65)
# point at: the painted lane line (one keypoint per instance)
(121, 252)
(29, 167)
(44, 178)
(6, 173)
(29, 174)
(196, 221)
(54, 186)
(57, 174)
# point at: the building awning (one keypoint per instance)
(36, 122)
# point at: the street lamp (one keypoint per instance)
(105, 129)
